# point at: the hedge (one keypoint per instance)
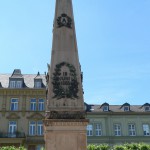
(11, 148)
(132, 146)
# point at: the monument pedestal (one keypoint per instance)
(65, 134)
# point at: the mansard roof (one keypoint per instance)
(28, 79)
(115, 108)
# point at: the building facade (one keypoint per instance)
(118, 124)
(22, 110)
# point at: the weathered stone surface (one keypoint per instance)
(65, 135)
(65, 123)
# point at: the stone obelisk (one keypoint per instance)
(65, 123)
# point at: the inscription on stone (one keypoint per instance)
(65, 83)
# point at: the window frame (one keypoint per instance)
(89, 130)
(41, 105)
(12, 127)
(126, 108)
(105, 108)
(98, 131)
(144, 131)
(33, 105)
(36, 128)
(37, 84)
(18, 84)
(14, 104)
(40, 128)
(12, 84)
(132, 130)
(117, 130)
(15, 84)
(32, 127)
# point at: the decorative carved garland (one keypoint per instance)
(59, 91)
(64, 20)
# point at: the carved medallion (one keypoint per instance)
(64, 81)
(64, 20)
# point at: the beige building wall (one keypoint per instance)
(22, 116)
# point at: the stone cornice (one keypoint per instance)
(66, 122)
(30, 91)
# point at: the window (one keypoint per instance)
(14, 104)
(41, 105)
(32, 128)
(37, 84)
(15, 84)
(117, 129)
(126, 108)
(12, 129)
(35, 128)
(12, 84)
(146, 130)
(39, 128)
(89, 130)
(131, 128)
(105, 108)
(33, 104)
(18, 84)
(98, 130)
(147, 108)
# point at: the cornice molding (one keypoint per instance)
(66, 122)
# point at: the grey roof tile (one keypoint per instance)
(115, 108)
(28, 79)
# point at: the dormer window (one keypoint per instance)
(38, 81)
(37, 84)
(15, 84)
(105, 108)
(16, 79)
(126, 108)
(147, 108)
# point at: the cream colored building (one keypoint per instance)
(22, 109)
(117, 124)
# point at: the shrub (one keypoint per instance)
(11, 148)
(132, 146)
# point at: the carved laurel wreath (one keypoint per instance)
(59, 90)
(66, 22)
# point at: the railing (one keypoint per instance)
(12, 135)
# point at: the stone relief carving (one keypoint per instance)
(64, 20)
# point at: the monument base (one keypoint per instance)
(65, 134)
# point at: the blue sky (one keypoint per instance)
(113, 42)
